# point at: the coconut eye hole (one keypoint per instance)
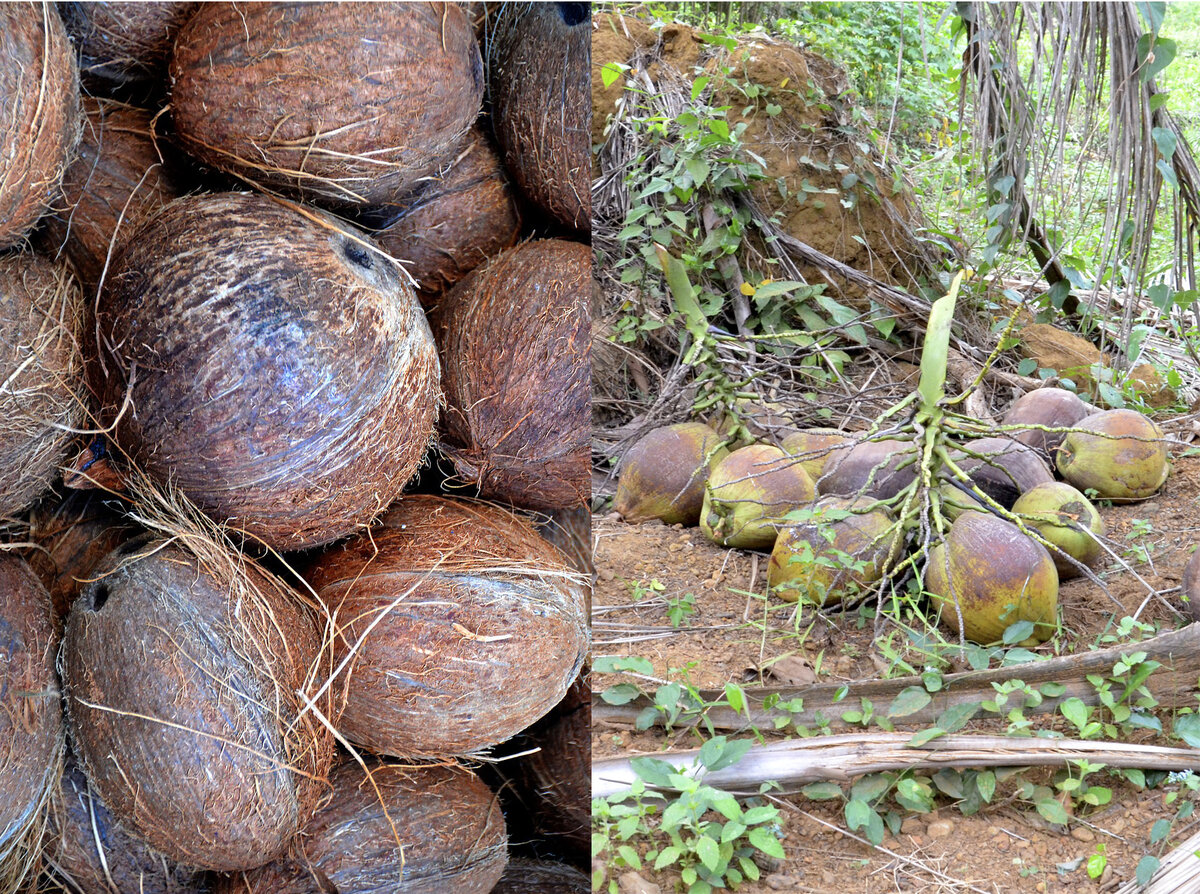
(99, 596)
(358, 255)
(573, 13)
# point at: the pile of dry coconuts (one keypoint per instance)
(294, 389)
(829, 506)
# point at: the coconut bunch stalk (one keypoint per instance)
(90, 851)
(31, 728)
(41, 374)
(278, 369)
(343, 104)
(115, 183)
(457, 627)
(123, 47)
(39, 126)
(540, 87)
(192, 679)
(396, 828)
(454, 220)
(515, 341)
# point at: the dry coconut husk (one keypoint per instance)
(116, 181)
(71, 535)
(456, 220)
(39, 125)
(187, 670)
(394, 828)
(540, 86)
(31, 729)
(342, 103)
(41, 373)
(280, 371)
(525, 876)
(90, 851)
(515, 340)
(123, 46)
(457, 627)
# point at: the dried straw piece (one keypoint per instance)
(123, 45)
(455, 221)
(41, 373)
(540, 82)
(399, 829)
(515, 341)
(39, 113)
(335, 103)
(31, 729)
(457, 627)
(280, 371)
(187, 670)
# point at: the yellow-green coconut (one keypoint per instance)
(748, 494)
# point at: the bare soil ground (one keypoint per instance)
(736, 631)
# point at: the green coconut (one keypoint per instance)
(663, 476)
(1118, 454)
(816, 448)
(749, 492)
(1066, 518)
(996, 576)
(953, 501)
(843, 549)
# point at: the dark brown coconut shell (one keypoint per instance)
(281, 373)
(515, 341)
(31, 729)
(39, 93)
(1050, 407)
(41, 373)
(72, 535)
(455, 220)
(116, 181)
(185, 679)
(525, 876)
(874, 468)
(415, 830)
(342, 103)
(123, 45)
(477, 627)
(87, 846)
(1002, 468)
(540, 84)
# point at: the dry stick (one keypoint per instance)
(1173, 685)
(794, 764)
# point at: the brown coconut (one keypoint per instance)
(540, 87)
(41, 373)
(454, 220)
(86, 847)
(405, 830)
(72, 534)
(280, 371)
(515, 338)
(39, 93)
(525, 876)
(818, 448)
(336, 103)
(664, 474)
(186, 679)
(116, 181)
(31, 730)
(879, 469)
(464, 625)
(1055, 408)
(123, 45)
(1002, 468)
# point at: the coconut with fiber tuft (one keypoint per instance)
(458, 627)
(279, 370)
(515, 343)
(344, 104)
(39, 93)
(540, 66)
(41, 374)
(398, 828)
(188, 673)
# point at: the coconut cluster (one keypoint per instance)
(294, 407)
(824, 504)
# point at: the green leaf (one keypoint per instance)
(1052, 689)
(699, 169)
(709, 853)
(678, 218)
(683, 293)
(772, 289)
(773, 109)
(1027, 366)
(1153, 13)
(1146, 868)
(955, 717)
(937, 346)
(719, 127)
(1018, 632)
(732, 832)
(756, 815)
(858, 813)
(1167, 172)
(1075, 711)
(911, 699)
(1187, 727)
(1004, 185)
(718, 753)
(668, 856)
(654, 771)
(611, 72)
(621, 694)
(1052, 811)
(870, 787)
(631, 232)
(920, 737)
(822, 791)
(630, 856)
(698, 86)
(614, 664)
(765, 841)
(1160, 830)
(985, 783)
(1166, 141)
(1154, 55)
(735, 696)
(1095, 865)
(949, 783)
